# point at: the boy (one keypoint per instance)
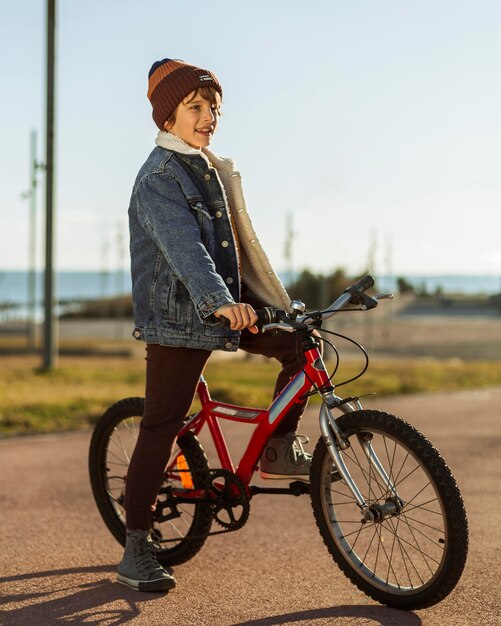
(194, 257)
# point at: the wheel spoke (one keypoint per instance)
(422, 507)
(367, 475)
(417, 521)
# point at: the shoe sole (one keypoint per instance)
(162, 584)
(304, 477)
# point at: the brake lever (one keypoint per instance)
(290, 326)
(366, 302)
(285, 328)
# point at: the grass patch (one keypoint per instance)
(74, 395)
(252, 383)
(70, 397)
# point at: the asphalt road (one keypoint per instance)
(57, 560)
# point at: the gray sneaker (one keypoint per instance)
(284, 457)
(139, 567)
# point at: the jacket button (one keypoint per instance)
(207, 176)
(228, 345)
(218, 214)
(137, 333)
(229, 280)
(225, 244)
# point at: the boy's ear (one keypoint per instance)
(166, 125)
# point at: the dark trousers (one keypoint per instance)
(172, 375)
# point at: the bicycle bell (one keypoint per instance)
(297, 307)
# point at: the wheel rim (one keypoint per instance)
(167, 534)
(403, 553)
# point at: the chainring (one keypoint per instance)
(232, 505)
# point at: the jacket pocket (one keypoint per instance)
(176, 303)
(169, 300)
(205, 221)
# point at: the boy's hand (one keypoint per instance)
(240, 316)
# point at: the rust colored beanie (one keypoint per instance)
(170, 81)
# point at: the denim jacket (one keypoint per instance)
(188, 251)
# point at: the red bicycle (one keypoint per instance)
(385, 501)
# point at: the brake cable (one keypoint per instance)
(345, 382)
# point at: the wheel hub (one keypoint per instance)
(376, 513)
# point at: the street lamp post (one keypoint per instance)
(31, 194)
(50, 338)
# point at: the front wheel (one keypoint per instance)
(413, 553)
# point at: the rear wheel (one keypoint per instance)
(413, 554)
(180, 529)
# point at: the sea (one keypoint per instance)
(77, 286)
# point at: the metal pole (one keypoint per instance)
(288, 249)
(32, 242)
(50, 339)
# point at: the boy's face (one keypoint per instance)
(196, 121)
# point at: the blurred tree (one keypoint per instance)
(317, 290)
(404, 286)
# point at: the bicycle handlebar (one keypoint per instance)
(271, 318)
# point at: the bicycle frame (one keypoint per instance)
(265, 420)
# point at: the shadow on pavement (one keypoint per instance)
(61, 597)
(377, 614)
(100, 601)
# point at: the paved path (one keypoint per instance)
(57, 560)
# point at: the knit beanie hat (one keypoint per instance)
(170, 81)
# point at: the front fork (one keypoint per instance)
(335, 442)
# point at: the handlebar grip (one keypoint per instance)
(364, 283)
(264, 316)
(268, 315)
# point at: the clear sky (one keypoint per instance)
(376, 124)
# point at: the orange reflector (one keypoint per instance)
(184, 474)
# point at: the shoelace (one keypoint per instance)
(145, 557)
(298, 452)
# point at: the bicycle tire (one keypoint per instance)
(113, 440)
(413, 558)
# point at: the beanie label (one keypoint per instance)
(205, 78)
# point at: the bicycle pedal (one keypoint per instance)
(299, 487)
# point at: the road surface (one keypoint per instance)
(57, 560)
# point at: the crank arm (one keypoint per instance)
(188, 496)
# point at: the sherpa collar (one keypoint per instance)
(174, 143)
